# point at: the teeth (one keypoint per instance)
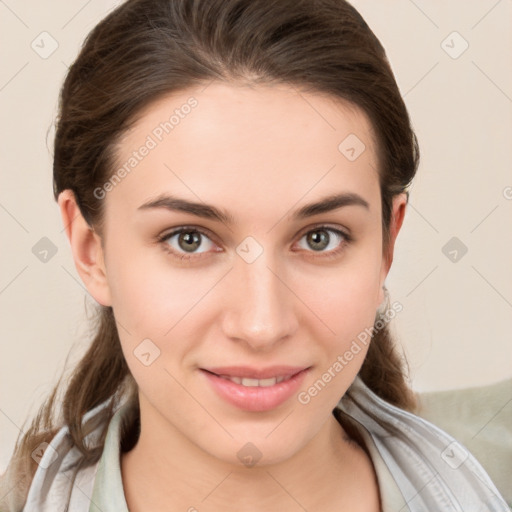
(252, 382)
(255, 382)
(265, 382)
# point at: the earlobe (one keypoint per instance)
(86, 248)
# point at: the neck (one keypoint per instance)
(165, 470)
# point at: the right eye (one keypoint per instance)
(184, 242)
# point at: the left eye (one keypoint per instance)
(321, 239)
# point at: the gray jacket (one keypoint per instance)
(419, 467)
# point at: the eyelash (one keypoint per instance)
(347, 239)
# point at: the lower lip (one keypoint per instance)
(256, 398)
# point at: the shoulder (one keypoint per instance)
(64, 478)
(431, 469)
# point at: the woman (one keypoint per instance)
(232, 176)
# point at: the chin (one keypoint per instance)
(255, 451)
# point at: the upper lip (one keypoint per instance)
(256, 373)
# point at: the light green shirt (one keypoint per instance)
(108, 494)
(419, 467)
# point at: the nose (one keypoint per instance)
(260, 307)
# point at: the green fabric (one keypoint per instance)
(108, 492)
(481, 419)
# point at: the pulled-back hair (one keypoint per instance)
(146, 49)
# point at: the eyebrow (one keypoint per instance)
(326, 204)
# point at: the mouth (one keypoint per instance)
(255, 390)
(251, 383)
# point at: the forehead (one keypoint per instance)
(247, 146)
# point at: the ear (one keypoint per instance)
(86, 248)
(397, 218)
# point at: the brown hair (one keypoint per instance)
(146, 49)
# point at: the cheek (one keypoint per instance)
(350, 315)
(149, 295)
(343, 298)
(153, 307)
(156, 301)
(342, 305)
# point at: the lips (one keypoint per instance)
(255, 389)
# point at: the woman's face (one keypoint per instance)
(257, 285)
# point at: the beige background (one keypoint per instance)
(457, 317)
